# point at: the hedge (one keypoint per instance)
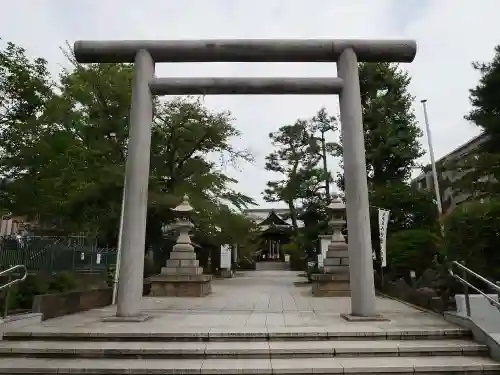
(472, 235)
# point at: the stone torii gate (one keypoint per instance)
(145, 53)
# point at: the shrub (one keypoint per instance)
(297, 258)
(246, 264)
(472, 234)
(26, 290)
(21, 295)
(64, 281)
(110, 274)
(412, 249)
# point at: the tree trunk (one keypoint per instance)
(293, 214)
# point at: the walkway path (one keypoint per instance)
(253, 301)
(246, 326)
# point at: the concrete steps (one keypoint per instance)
(214, 334)
(243, 349)
(272, 266)
(323, 365)
(280, 351)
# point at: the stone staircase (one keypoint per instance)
(280, 351)
(271, 265)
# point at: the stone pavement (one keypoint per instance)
(256, 323)
(252, 301)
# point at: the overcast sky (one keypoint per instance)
(450, 35)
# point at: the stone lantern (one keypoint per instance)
(337, 222)
(334, 281)
(184, 226)
(182, 275)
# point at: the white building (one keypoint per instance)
(449, 197)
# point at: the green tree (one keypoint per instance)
(391, 131)
(485, 101)
(471, 234)
(25, 87)
(478, 174)
(301, 158)
(293, 157)
(410, 207)
(320, 125)
(65, 159)
(412, 249)
(314, 214)
(412, 211)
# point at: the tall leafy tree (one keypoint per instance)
(485, 103)
(391, 136)
(391, 131)
(410, 207)
(25, 88)
(63, 147)
(478, 174)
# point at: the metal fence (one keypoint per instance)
(55, 254)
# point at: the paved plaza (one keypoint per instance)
(260, 322)
(256, 301)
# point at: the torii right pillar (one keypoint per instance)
(356, 192)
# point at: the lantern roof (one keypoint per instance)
(184, 206)
(336, 204)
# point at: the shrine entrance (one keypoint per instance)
(146, 53)
(275, 232)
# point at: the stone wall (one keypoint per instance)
(59, 304)
(425, 297)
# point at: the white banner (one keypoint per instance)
(225, 257)
(320, 260)
(383, 220)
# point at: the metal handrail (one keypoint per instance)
(15, 281)
(478, 276)
(11, 283)
(467, 285)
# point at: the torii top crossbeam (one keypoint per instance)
(245, 50)
(145, 85)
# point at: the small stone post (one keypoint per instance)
(182, 276)
(334, 281)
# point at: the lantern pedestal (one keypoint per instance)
(334, 281)
(330, 285)
(164, 285)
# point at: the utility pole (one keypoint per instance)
(433, 162)
(325, 165)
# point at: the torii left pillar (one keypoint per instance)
(130, 281)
